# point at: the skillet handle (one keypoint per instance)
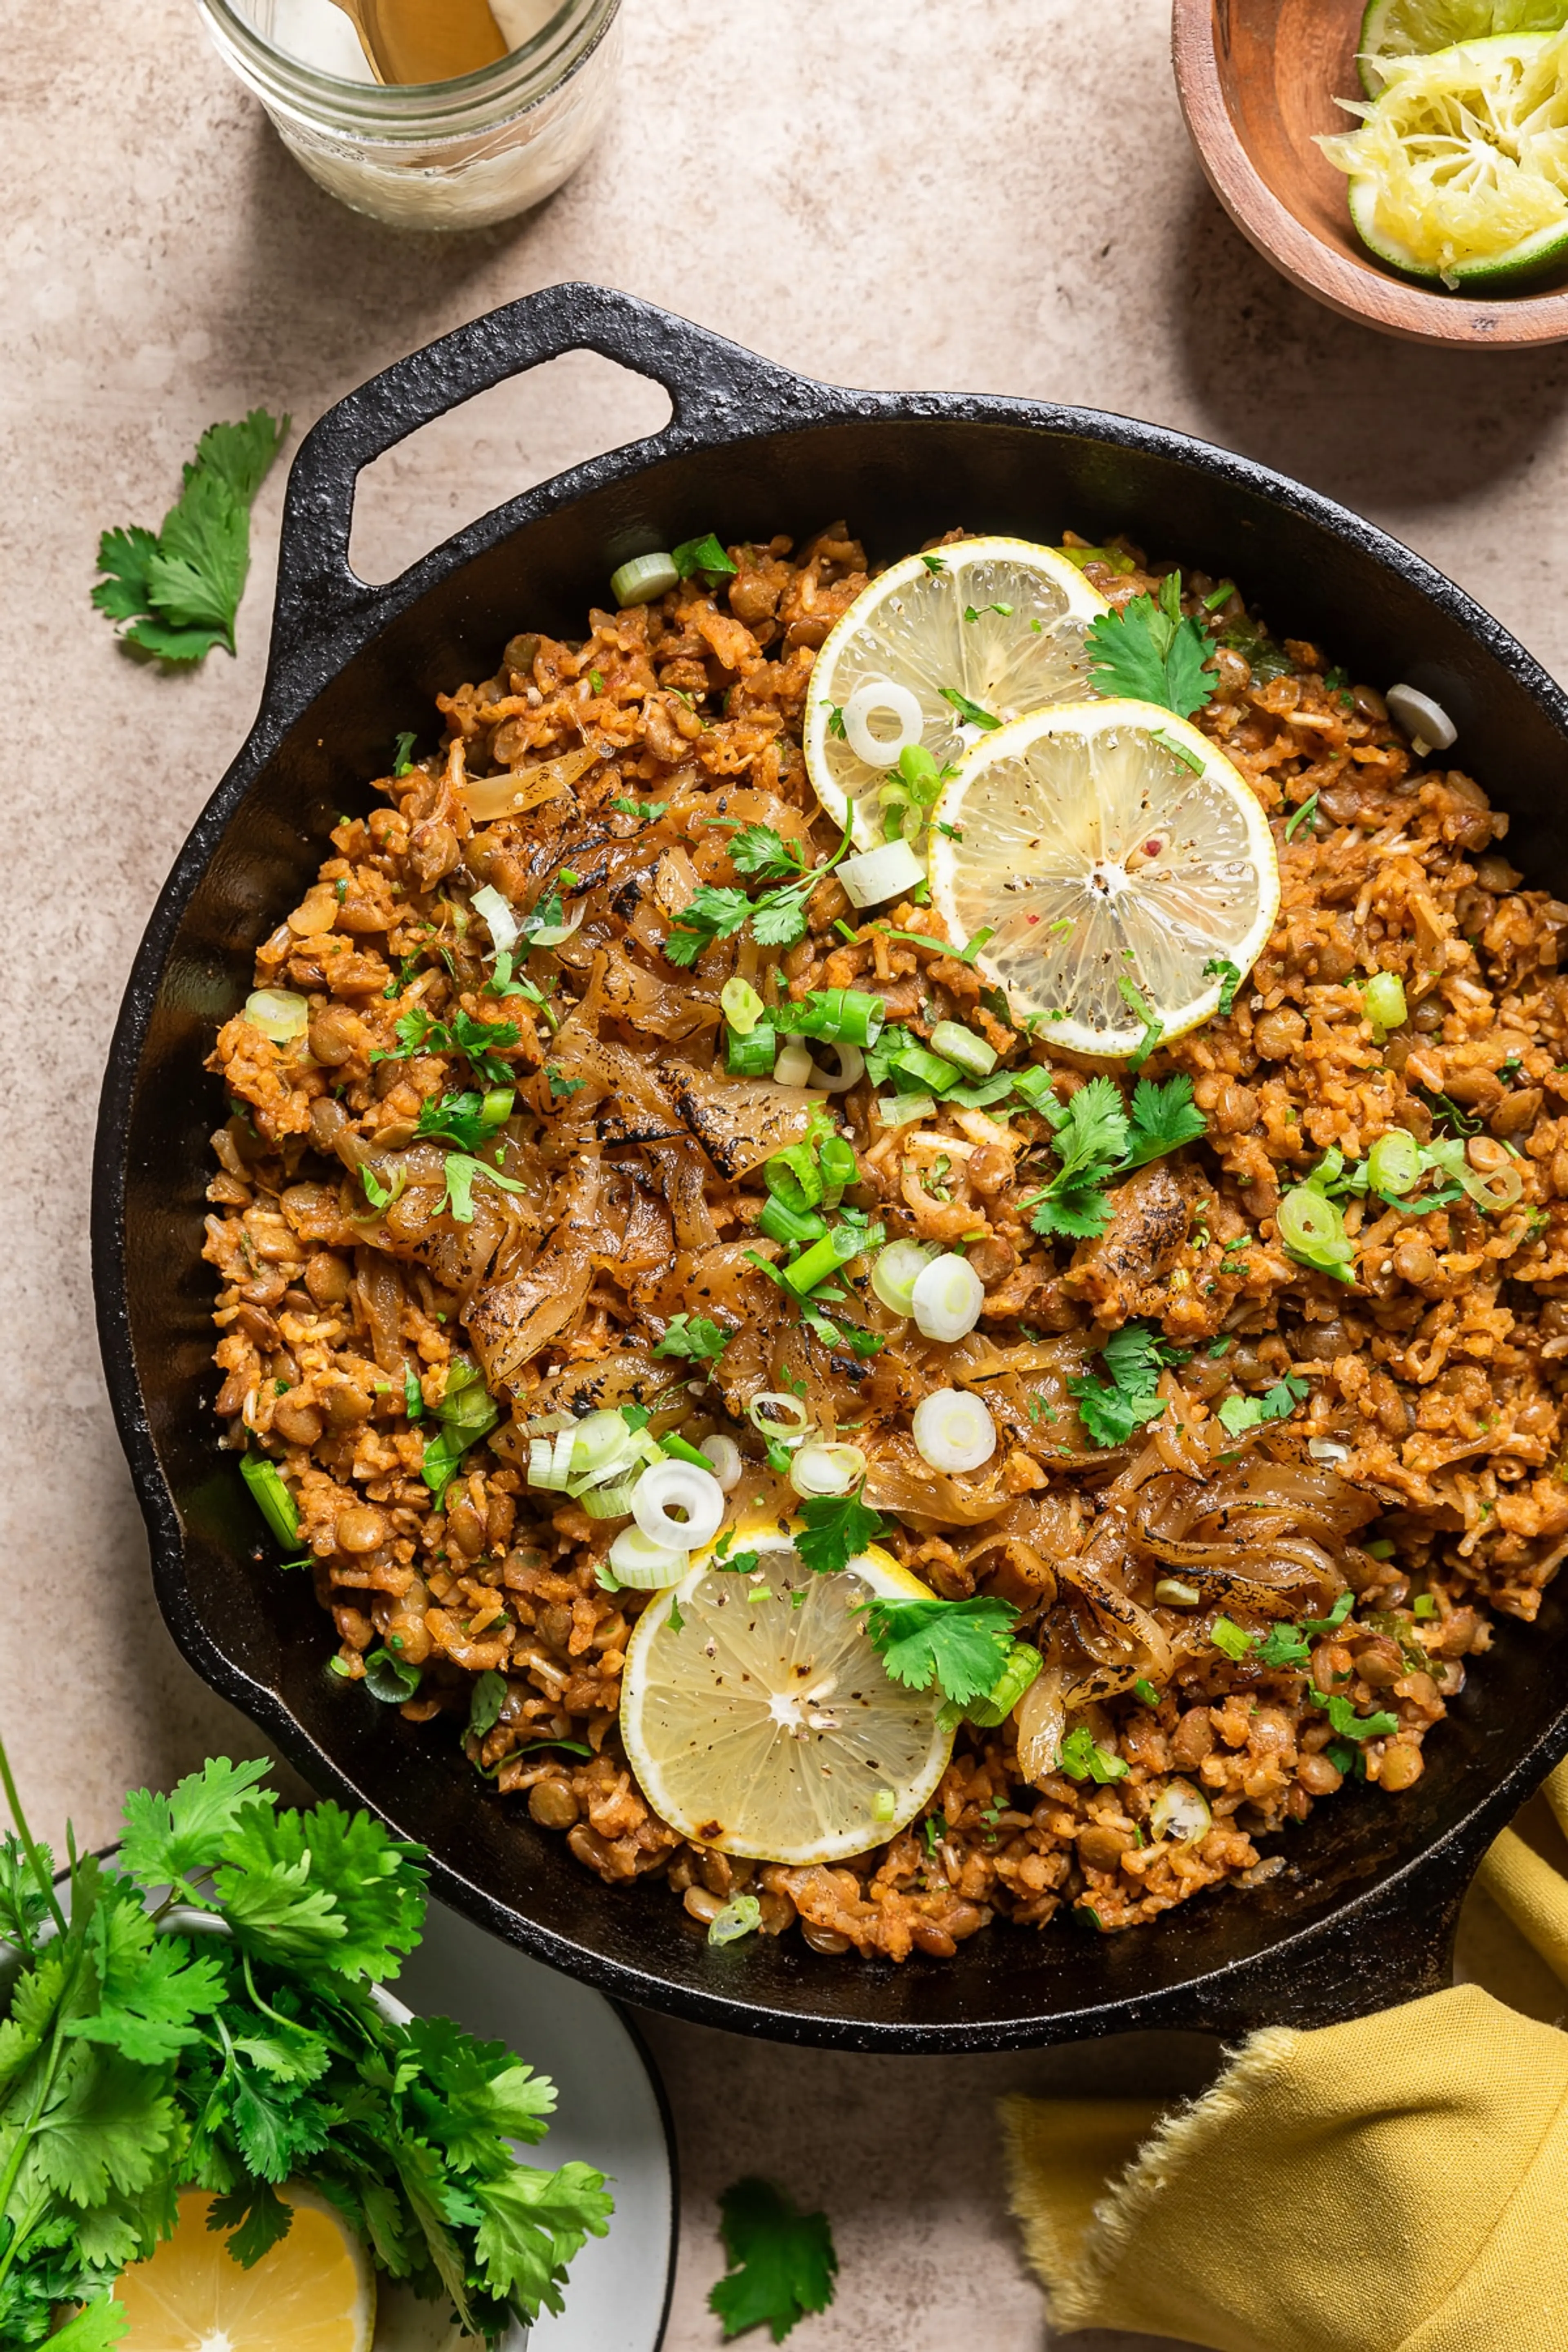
(713, 385)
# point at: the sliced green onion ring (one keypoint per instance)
(1393, 1163)
(645, 1565)
(280, 1013)
(780, 1416)
(957, 1044)
(1024, 1663)
(827, 1469)
(644, 577)
(1493, 1189)
(1313, 1231)
(751, 1052)
(1384, 1000)
(1179, 1811)
(896, 1272)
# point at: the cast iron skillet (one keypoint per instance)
(1364, 1913)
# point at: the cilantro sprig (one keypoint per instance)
(694, 1338)
(138, 2057)
(782, 2263)
(1096, 1139)
(837, 1528)
(961, 1646)
(178, 589)
(777, 918)
(1112, 1408)
(1151, 652)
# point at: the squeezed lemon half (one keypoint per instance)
(312, 2292)
(758, 1717)
(1121, 862)
(1023, 650)
(1418, 28)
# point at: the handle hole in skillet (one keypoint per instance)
(492, 447)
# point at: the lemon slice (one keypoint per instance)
(1105, 843)
(909, 629)
(1458, 171)
(312, 2292)
(758, 1717)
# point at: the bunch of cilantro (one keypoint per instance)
(141, 2054)
(178, 589)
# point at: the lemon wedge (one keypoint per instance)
(1418, 28)
(998, 623)
(312, 2292)
(1122, 864)
(758, 1717)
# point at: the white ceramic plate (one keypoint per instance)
(610, 2113)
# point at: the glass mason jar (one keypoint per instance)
(450, 154)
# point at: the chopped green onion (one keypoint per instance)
(1175, 1594)
(896, 1272)
(962, 1045)
(643, 578)
(989, 1090)
(1024, 1663)
(271, 1497)
(1493, 1189)
(1393, 1163)
(898, 1110)
(1313, 1231)
(921, 773)
(609, 1502)
(741, 1915)
(824, 1258)
(750, 1052)
(280, 1013)
(1304, 815)
(704, 555)
(838, 1017)
(839, 1168)
(743, 1008)
(782, 1223)
(678, 1450)
(1038, 1089)
(1385, 1003)
(794, 1177)
(930, 1069)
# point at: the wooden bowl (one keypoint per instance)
(1258, 81)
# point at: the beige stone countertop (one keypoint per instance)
(909, 192)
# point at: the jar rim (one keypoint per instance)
(404, 108)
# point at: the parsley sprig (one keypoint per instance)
(137, 2058)
(1149, 652)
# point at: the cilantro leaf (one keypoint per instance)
(782, 2263)
(531, 2223)
(457, 1117)
(23, 1903)
(1238, 1414)
(704, 555)
(694, 1338)
(779, 919)
(1164, 1118)
(108, 2122)
(1149, 652)
(1111, 1410)
(837, 1528)
(1221, 967)
(179, 589)
(1347, 1724)
(474, 2093)
(97, 2327)
(1284, 1645)
(257, 2219)
(961, 1646)
(758, 850)
(321, 1889)
(485, 1703)
(463, 1172)
(1090, 1141)
(166, 1839)
(1081, 1758)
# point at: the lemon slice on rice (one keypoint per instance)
(759, 1718)
(314, 2291)
(1459, 170)
(910, 631)
(1120, 862)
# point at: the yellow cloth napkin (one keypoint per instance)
(1398, 2184)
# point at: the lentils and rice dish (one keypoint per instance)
(1257, 1543)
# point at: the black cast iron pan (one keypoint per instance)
(1363, 1914)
